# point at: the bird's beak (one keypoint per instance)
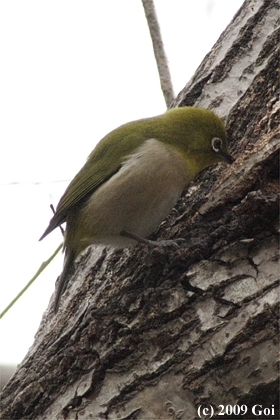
(227, 157)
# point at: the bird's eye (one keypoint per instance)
(216, 144)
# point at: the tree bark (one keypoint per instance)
(163, 334)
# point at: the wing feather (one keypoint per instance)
(115, 147)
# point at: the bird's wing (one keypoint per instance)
(94, 173)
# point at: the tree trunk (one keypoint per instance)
(166, 334)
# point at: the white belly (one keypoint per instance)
(138, 197)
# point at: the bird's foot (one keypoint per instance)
(168, 242)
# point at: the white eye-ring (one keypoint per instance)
(216, 144)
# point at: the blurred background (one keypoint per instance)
(71, 71)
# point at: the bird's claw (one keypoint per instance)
(167, 242)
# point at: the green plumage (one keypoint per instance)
(133, 178)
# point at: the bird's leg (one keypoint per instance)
(148, 242)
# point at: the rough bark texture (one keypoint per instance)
(154, 334)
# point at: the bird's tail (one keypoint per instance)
(64, 278)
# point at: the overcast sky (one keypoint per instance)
(71, 71)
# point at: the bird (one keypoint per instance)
(132, 180)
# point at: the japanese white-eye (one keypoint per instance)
(133, 178)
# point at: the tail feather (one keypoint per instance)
(54, 223)
(64, 278)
